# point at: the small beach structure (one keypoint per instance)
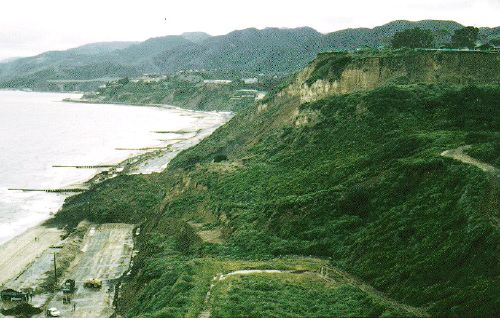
(13, 295)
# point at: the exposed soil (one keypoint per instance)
(460, 155)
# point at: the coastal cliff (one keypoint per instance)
(353, 173)
(341, 73)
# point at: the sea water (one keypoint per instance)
(39, 130)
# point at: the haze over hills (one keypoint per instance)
(9, 59)
(271, 50)
(101, 47)
(196, 37)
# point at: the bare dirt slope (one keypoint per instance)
(460, 155)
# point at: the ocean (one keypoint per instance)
(39, 130)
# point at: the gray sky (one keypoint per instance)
(29, 27)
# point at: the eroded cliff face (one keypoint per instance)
(365, 72)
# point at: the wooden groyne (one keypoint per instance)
(146, 148)
(84, 167)
(176, 131)
(47, 190)
(174, 140)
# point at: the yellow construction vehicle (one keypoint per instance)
(93, 283)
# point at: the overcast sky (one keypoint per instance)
(28, 27)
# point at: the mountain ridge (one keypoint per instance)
(268, 50)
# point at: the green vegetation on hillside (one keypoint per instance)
(356, 180)
(270, 51)
(294, 295)
(413, 38)
(487, 151)
(187, 90)
(126, 198)
(329, 67)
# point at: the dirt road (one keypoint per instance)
(105, 255)
(327, 273)
(460, 155)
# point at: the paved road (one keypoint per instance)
(106, 254)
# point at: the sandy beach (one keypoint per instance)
(18, 253)
(100, 251)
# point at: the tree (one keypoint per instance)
(123, 81)
(495, 42)
(465, 37)
(413, 38)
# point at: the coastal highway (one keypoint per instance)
(105, 254)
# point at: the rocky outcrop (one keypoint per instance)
(367, 71)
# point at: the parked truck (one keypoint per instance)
(69, 286)
(93, 283)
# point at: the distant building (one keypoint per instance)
(217, 81)
(252, 80)
(249, 93)
(260, 96)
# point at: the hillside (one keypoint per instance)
(339, 73)
(330, 73)
(360, 37)
(100, 48)
(341, 184)
(191, 90)
(270, 51)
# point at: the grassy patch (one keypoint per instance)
(329, 68)
(293, 295)
(365, 190)
(486, 152)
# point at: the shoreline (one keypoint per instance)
(88, 101)
(19, 252)
(166, 106)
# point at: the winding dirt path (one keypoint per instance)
(460, 155)
(334, 274)
(327, 273)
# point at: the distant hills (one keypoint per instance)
(100, 48)
(196, 37)
(270, 50)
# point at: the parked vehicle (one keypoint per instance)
(69, 286)
(93, 283)
(13, 295)
(66, 299)
(53, 312)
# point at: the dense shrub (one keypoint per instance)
(220, 158)
(329, 68)
(369, 191)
